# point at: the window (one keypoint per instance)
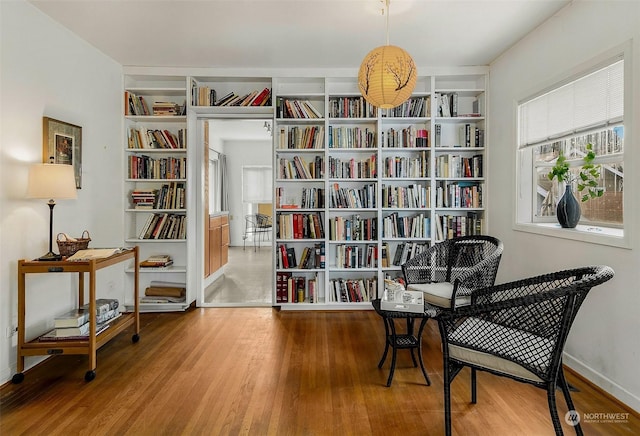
(256, 184)
(563, 120)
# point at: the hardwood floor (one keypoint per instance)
(259, 371)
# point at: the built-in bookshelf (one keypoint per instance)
(156, 181)
(385, 184)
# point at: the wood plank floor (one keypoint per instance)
(259, 371)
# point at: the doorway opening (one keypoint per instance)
(247, 277)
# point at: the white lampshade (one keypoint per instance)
(52, 181)
(387, 76)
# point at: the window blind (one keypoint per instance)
(256, 184)
(595, 100)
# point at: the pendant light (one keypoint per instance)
(387, 74)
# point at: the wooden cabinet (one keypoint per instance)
(87, 346)
(218, 242)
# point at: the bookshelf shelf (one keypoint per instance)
(403, 148)
(156, 173)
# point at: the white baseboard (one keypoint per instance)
(604, 383)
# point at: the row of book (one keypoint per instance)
(299, 226)
(408, 250)
(170, 196)
(353, 290)
(203, 95)
(352, 137)
(310, 258)
(164, 226)
(408, 137)
(310, 198)
(147, 167)
(353, 169)
(142, 137)
(299, 137)
(355, 228)
(356, 256)
(469, 136)
(293, 108)
(415, 195)
(358, 198)
(415, 226)
(453, 226)
(414, 107)
(137, 105)
(406, 166)
(296, 289)
(453, 166)
(351, 107)
(459, 194)
(75, 324)
(298, 168)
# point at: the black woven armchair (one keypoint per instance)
(449, 271)
(518, 330)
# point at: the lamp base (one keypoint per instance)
(50, 256)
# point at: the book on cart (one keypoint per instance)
(78, 317)
(77, 333)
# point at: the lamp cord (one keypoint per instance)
(387, 13)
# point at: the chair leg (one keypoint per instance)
(474, 394)
(447, 399)
(553, 409)
(424, 370)
(566, 391)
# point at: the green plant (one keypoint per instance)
(587, 177)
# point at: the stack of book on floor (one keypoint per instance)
(157, 261)
(164, 292)
(75, 325)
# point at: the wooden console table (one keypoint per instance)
(93, 342)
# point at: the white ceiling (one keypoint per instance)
(297, 33)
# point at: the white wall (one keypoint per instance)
(604, 344)
(239, 153)
(48, 71)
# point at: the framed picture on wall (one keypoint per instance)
(62, 144)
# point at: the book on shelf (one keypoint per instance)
(152, 299)
(157, 261)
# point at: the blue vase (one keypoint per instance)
(568, 210)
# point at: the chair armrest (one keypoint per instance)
(522, 304)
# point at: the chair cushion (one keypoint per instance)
(439, 294)
(496, 340)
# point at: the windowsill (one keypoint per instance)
(591, 234)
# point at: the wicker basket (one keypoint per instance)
(68, 248)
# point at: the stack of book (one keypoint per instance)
(164, 292)
(75, 325)
(166, 108)
(157, 261)
(143, 198)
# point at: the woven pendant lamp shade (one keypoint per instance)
(387, 76)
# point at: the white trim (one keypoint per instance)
(603, 382)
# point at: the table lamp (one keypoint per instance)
(55, 182)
